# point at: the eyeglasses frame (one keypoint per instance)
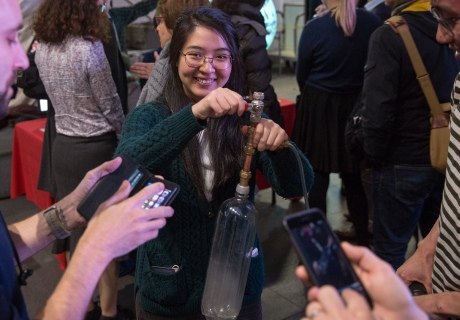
(155, 23)
(447, 24)
(209, 59)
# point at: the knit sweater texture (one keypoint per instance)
(156, 82)
(155, 139)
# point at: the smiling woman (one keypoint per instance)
(192, 135)
(198, 70)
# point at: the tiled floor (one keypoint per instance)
(283, 296)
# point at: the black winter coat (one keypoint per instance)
(251, 30)
(396, 116)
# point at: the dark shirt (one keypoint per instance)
(12, 304)
(328, 60)
(396, 115)
(117, 67)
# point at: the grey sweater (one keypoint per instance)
(156, 82)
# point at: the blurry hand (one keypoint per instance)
(142, 69)
(418, 267)
(219, 102)
(320, 11)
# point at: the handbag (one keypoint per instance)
(440, 113)
(29, 80)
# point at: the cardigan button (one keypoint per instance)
(210, 215)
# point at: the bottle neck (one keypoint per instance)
(241, 195)
(242, 192)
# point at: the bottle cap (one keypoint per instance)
(241, 189)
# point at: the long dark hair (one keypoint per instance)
(56, 20)
(225, 139)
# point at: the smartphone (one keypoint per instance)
(43, 105)
(138, 178)
(320, 251)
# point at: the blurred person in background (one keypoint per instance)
(250, 26)
(331, 58)
(88, 111)
(168, 11)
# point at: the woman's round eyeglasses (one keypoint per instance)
(196, 60)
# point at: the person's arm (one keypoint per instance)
(33, 234)
(304, 55)
(440, 305)
(379, 94)
(142, 69)
(118, 227)
(103, 87)
(152, 137)
(419, 266)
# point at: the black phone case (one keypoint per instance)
(313, 215)
(106, 187)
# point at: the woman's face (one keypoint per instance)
(164, 33)
(199, 82)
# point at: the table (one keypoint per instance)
(289, 112)
(25, 162)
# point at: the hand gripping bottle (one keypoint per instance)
(230, 258)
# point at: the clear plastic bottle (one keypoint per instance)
(230, 258)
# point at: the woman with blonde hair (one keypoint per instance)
(331, 56)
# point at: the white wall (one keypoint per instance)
(279, 3)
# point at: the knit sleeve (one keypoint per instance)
(282, 171)
(153, 137)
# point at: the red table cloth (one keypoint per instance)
(25, 168)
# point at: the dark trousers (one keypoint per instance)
(404, 197)
(251, 311)
(356, 200)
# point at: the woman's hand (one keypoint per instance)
(219, 102)
(142, 69)
(267, 135)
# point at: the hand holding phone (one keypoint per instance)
(320, 251)
(138, 178)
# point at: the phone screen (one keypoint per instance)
(43, 104)
(162, 198)
(324, 255)
(321, 252)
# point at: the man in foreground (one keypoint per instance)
(119, 226)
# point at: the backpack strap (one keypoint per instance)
(399, 25)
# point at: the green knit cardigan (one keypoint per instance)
(155, 139)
